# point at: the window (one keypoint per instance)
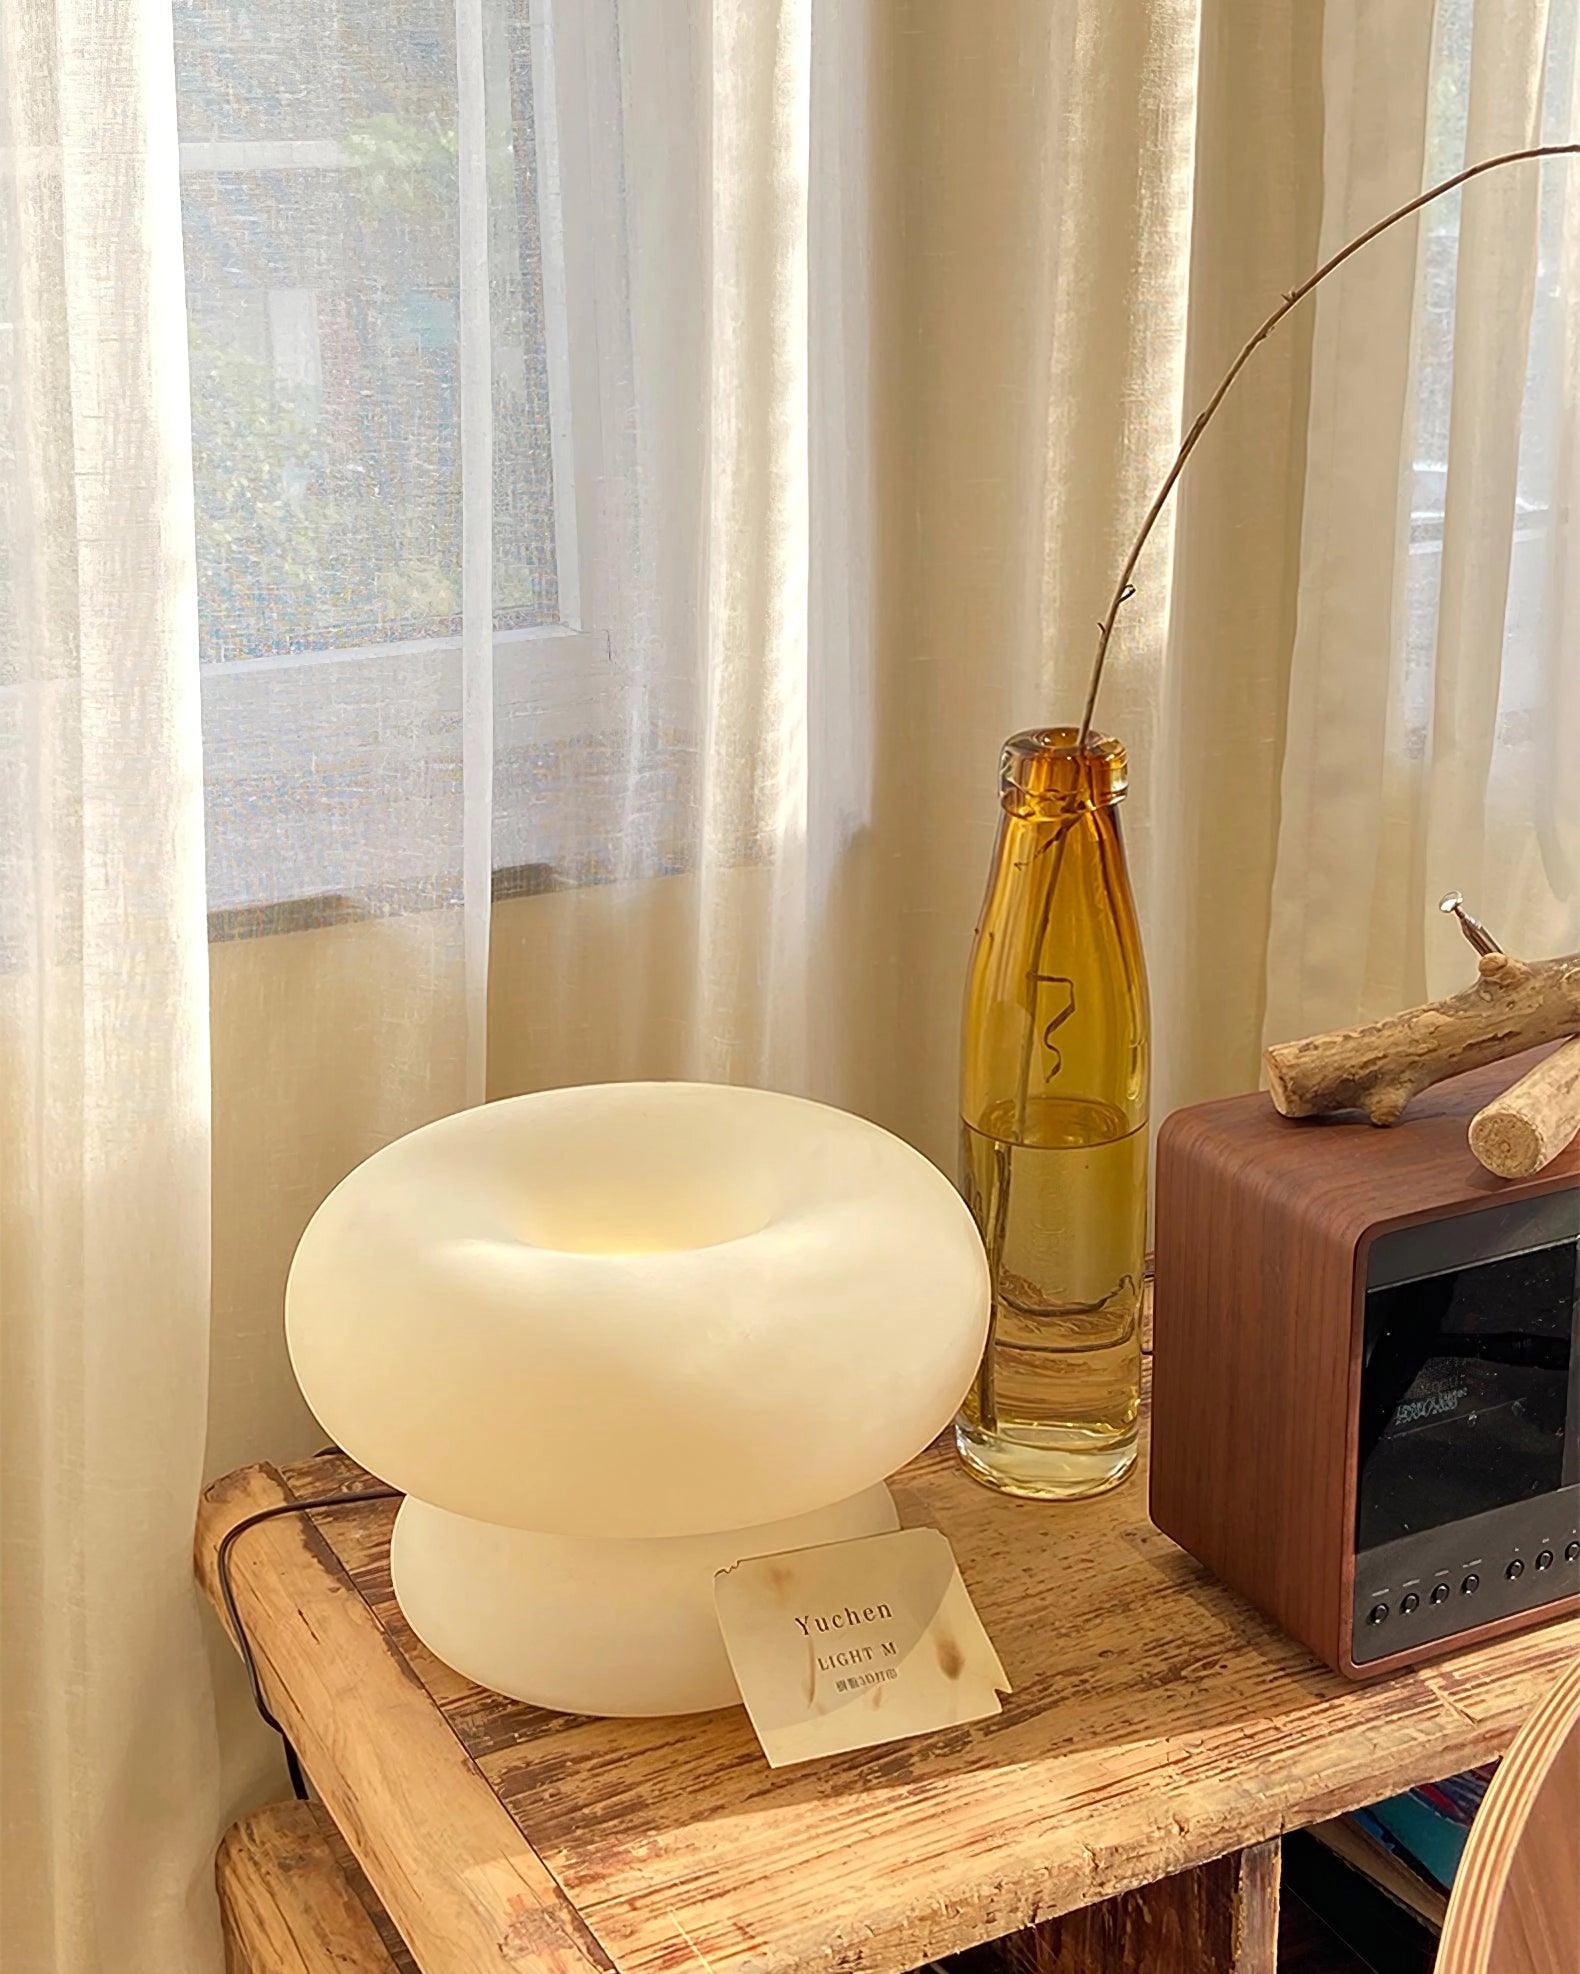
(319, 155)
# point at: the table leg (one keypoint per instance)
(287, 1907)
(1221, 1918)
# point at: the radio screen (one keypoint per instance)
(1465, 1388)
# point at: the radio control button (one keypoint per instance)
(1572, 1552)
(1516, 1568)
(1544, 1559)
(1440, 1593)
(1471, 1584)
(1377, 1614)
(1409, 1602)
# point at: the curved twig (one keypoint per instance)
(1204, 418)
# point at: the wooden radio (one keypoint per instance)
(1366, 1376)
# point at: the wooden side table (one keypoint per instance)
(1128, 1800)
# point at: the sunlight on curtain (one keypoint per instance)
(109, 1787)
(884, 326)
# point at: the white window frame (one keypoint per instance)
(553, 682)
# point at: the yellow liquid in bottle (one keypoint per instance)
(1054, 1407)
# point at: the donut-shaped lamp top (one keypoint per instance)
(638, 1309)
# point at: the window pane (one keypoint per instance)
(318, 160)
(320, 154)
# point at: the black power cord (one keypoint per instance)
(227, 1594)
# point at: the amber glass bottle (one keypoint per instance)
(1053, 1127)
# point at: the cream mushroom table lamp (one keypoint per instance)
(611, 1340)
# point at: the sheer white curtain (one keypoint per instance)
(1434, 697)
(108, 1759)
(246, 537)
(888, 310)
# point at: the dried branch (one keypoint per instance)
(1378, 1068)
(1204, 419)
(1529, 1125)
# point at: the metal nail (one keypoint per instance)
(1473, 929)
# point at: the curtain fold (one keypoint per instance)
(108, 1768)
(1354, 543)
(1258, 194)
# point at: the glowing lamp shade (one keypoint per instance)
(611, 1340)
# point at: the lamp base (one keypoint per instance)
(589, 1624)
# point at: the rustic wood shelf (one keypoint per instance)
(1159, 1731)
(293, 1901)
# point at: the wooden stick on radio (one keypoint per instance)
(1529, 1125)
(1378, 1068)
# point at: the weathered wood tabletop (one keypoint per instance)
(1157, 1724)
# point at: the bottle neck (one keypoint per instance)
(1045, 776)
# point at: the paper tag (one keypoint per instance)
(855, 1643)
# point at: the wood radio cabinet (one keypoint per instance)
(1366, 1379)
